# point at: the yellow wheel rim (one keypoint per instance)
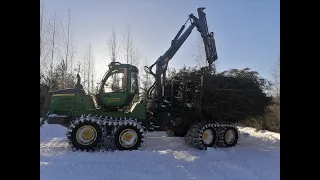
(207, 136)
(86, 135)
(128, 138)
(230, 136)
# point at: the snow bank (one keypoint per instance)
(162, 158)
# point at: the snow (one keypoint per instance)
(256, 157)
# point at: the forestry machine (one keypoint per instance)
(117, 113)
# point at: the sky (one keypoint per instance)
(247, 32)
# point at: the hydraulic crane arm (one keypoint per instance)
(208, 40)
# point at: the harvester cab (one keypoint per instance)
(119, 86)
(118, 92)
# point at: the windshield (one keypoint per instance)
(134, 83)
(116, 82)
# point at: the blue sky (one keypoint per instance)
(247, 32)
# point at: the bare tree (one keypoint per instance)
(128, 46)
(41, 27)
(41, 34)
(113, 48)
(200, 56)
(91, 69)
(53, 34)
(78, 70)
(84, 67)
(88, 69)
(132, 55)
(67, 44)
(113, 53)
(276, 78)
(135, 57)
(146, 81)
(272, 114)
(92, 77)
(44, 53)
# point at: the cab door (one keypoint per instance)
(115, 89)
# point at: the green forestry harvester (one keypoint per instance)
(117, 113)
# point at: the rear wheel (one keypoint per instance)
(228, 137)
(128, 137)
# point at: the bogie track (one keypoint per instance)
(202, 135)
(88, 133)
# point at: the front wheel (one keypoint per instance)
(85, 135)
(209, 137)
(201, 135)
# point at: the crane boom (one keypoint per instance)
(162, 62)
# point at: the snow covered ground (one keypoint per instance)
(254, 158)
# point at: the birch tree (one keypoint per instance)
(276, 78)
(113, 54)
(88, 69)
(146, 81)
(53, 35)
(41, 28)
(128, 45)
(44, 53)
(113, 47)
(67, 46)
(200, 55)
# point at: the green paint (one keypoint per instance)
(74, 105)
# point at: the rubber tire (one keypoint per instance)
(221, 142)
(99, 140)
(214, 139)
(117, 144)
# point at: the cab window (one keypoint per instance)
(116, 82)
